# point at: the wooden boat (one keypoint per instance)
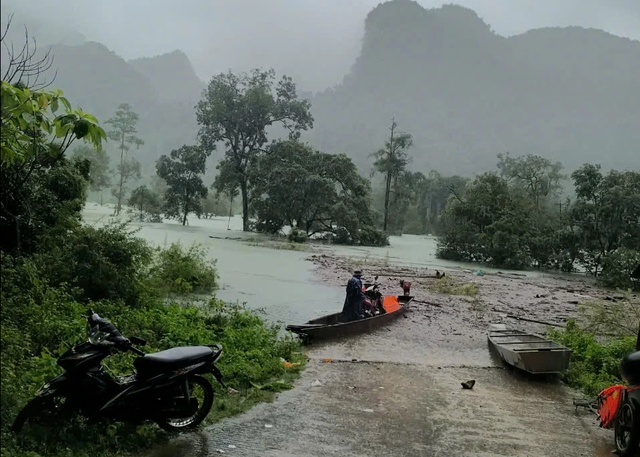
(334, 325)
(526, 351)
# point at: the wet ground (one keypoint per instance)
(397, 391)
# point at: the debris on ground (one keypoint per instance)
(468, 384)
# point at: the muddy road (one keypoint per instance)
(397, 392)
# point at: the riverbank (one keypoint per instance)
(396, 391)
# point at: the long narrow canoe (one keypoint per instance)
(529, 352)
(334, 325)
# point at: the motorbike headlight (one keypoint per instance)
(96, 336)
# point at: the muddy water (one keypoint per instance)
(402, 396)
(277, 280)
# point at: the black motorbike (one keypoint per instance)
(627, 424)
(167, 386)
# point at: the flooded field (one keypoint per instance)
(395, 391)
(279, 281)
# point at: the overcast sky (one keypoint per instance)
(315, 41)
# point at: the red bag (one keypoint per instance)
(608, 404)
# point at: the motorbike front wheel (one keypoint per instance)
(34, 409)
(202, 391)
(627, 430)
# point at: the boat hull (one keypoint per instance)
(529, 352)
(334, 325)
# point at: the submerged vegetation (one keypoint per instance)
(607, 331)
(449, 286)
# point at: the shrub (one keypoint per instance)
(447, 285)
(371, 236)
(594, 365)
(342, 236)
(617, 268)
(297, 236)
(103, 263)
(177, 270)
(39, 322)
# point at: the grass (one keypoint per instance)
(449, 286)
(279, 245)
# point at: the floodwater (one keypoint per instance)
(279, 281)
(395, 391)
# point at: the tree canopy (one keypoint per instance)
(236, 110)
(124, 132)
(310, 191)
(516, 220)
(182, 170)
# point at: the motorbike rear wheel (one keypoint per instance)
(627, 430)
(200, 388)
(32, 409)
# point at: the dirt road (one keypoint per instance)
(397, 392)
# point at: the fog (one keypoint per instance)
(316, 42)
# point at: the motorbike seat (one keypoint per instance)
(172, 359)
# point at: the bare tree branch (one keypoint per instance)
(24, 67)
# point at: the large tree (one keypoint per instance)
(606, 213)
(123, 131)
(310, 191)
(182, 170)
(147, 204)
(540, 177)
(391, 161)
(237, 110)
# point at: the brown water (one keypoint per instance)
(403, 396)
(279, 281)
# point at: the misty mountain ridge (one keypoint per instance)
(466, 93)
(463, 91)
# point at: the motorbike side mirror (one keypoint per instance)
(137, 341)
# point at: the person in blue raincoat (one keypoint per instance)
(354, 301)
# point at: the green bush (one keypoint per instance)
(177, 270)
(106, 263)
(371, 236)
(39, 322)
(617, 268)
(342, 236)
(297, 236)
(594, 365)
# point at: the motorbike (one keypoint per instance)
(167, 387)
(375, 298)
(627, 422)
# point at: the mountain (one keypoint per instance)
(466, 93)
(165, 71)
(163, 90)
(463, 91)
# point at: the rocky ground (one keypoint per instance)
(397, 392)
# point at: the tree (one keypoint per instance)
(606, 213)
(124, 130)
(238, 109)
(538, 176)
(37, 126)
(226, 182)
(488, 223)
(182, 172)
(391, 161)
(99, 167)
(310, 191)
(147, 204)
